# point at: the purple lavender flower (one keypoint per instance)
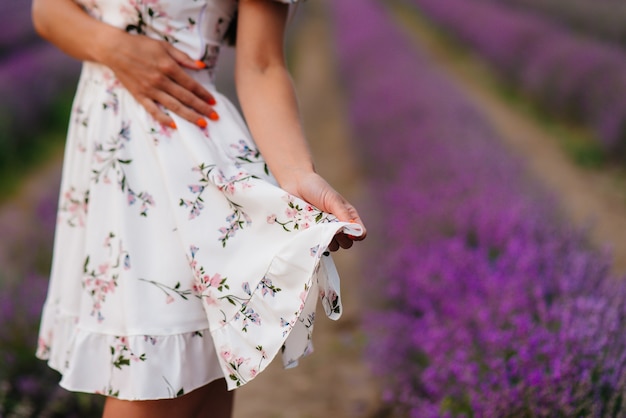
(493, 306)
(568, 74)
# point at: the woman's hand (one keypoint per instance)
(152, 71)
(312, 188)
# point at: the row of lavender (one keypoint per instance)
(601, 19)
(16, 27)
(492, 306)
(28, 388)
(33, 77)
(569, 75)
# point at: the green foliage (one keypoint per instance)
(27, 152)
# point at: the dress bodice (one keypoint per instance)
(197, 27)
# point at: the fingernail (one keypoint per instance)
(352, 221)
(201, 123)
(200, 64)
(173, 125)
(212, 101)
(213, 115)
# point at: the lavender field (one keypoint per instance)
(605, 20)
(483, 298)
(35, 80)
(576, 77)
(493, 305)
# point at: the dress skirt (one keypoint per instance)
(177, 260)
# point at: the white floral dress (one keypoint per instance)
(177, 259)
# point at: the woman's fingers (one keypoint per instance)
(178, 92)
(152, 72)
(316, 191)
(188, 106)
(184, 80)
(156, 112)
(345, 212)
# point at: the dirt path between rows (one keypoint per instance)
(334, 381)
(588, 197)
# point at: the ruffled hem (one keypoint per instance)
(116, 366)
(244, 352)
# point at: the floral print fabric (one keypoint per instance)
(177, 259)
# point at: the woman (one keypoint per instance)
(185, 251)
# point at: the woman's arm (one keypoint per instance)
(269, 104)
(151, 70)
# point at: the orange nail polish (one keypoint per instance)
(201, 123)
(352, 221)
(214, 116)
(212, 101)
(200, 64)
(172, 125)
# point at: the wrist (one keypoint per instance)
(107, 40)
(289, 178)
(291, 174)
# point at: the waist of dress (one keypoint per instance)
(101, 74)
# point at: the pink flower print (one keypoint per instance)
(43, 345)
(169, 299)
(226, 355)
(122, 355)
(291, 213)
(110, 287)
(288, 198)
(161, 131)
(261, 351)
(300, 217)
(215, 281)
(331, 301)
(73, 207)
(102, 269)
(210, 299)
(271, 219)
(228, 188)
(102, 280)
(98, 158)
(199, 286)
(253, 372)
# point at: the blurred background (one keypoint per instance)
(484, 143)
